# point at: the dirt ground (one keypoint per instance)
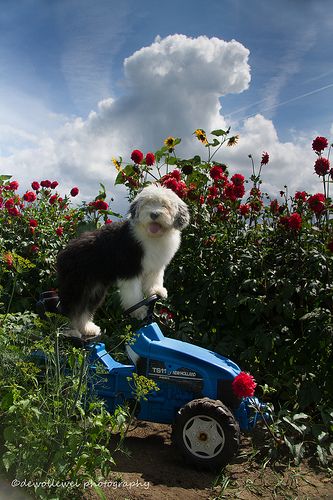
(154, 470)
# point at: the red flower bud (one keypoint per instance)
(150, 159)
(29, 196)
(137, 156)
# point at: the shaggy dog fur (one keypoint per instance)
(133, 254)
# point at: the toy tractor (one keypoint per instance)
(195, 391)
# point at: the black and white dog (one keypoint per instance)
(133, 254)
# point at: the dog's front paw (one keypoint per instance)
(160, 291)
(90, 330)
(140, 314)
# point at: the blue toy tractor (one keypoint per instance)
(195, 391)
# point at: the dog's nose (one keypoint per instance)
(154, 215)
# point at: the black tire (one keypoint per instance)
(207, 433)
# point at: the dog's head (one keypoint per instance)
(158, 210)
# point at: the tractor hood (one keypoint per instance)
(150, 343)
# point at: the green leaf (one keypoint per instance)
(300, 416)
(83, 227)
(219, 132)
(119, 179)
(321, 455)
(5, 177)
(99, 491)
(8, 459)
(214, 143)
(172, 161)
(293, 425)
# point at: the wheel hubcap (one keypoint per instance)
(203, 436)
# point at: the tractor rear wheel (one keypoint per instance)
(207, 433)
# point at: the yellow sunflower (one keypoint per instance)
(201, 135)
(170, 142)
(233, 140)
(116, 164)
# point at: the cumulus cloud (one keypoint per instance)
(171, 87)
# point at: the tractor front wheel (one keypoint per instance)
(207, 433)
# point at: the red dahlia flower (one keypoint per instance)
(330, 246)
(216, 172)
(238, 179)
(150, 159)
(35, 185)
(213, 191)
(34, 249)
(256, 205)
(137, 156)
(301, 195)
(53, 199)
(181, 190)
(176, 174)
(274, 206)
(13, 185)
(9, 203)
(29, 196)
(46, 184)
(13, 211)
(229, 192)
(100, 205)
(255, 192)
(59, 231)
(322, 166)
(317, 203)
(170, 183)
(319, 144)
(54, 184)
(74, 191)
(295, 221)
(244, 209)
(164, 311)
(243, 385)
(33, 223)
(239, 191)
(264, 158)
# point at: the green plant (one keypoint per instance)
(253, 277)
(55, 435)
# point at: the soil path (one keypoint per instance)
(154, 470)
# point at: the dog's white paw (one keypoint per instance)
(140, 314)
(90, 330)
(71, 333)
(159, 290)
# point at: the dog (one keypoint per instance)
(133, 254)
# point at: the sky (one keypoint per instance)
(82, 81)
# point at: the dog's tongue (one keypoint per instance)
(154, 227)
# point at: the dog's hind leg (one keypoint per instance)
(82, 319)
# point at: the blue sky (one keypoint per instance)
(59, 59)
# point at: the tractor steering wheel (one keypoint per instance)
(149, 302)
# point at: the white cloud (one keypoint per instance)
(170, 88)
(291, 163)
